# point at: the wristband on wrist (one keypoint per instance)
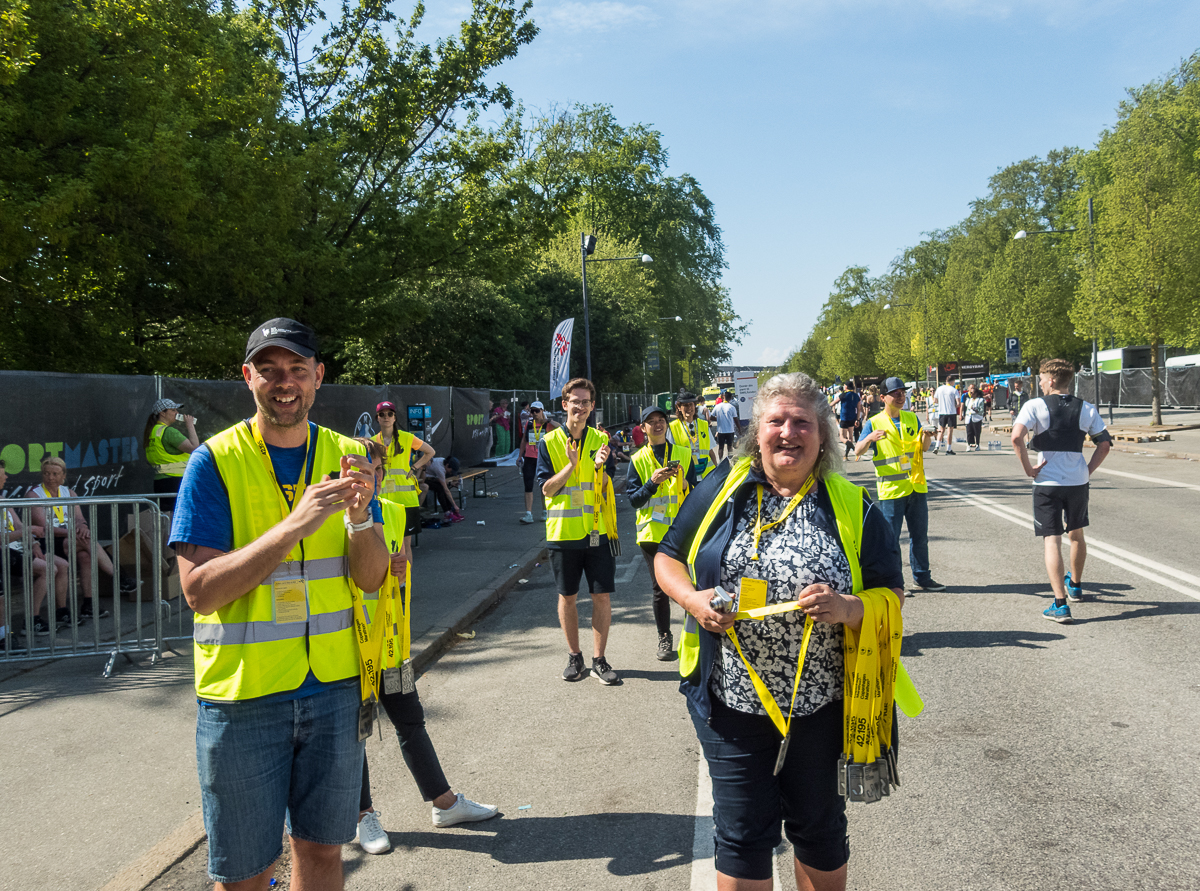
(357, 527)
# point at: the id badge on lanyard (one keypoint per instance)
(290, 596)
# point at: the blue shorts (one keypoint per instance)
(262, 763)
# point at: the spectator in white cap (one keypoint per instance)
(167, 448)
(532, 433)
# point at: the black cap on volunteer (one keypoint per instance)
(650, 410)
(685, 397)
(286, 333)
(894, 383)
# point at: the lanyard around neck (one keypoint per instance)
(759, 528)
(301, 481)
(764, 695)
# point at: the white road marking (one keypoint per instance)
(704, 867)
(1172, 484)
(626, 575)
(1126, 560)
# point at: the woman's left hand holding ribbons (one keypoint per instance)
(824, 604)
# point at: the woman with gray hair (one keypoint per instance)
(779, 531)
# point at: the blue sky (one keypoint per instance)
(832, 133)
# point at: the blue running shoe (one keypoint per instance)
(1074, 591)
(1059, 614)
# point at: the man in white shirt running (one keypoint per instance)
(1059, 422)
(946, 397)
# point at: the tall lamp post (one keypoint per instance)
(670, 356)
(1092, 242)
(924, 332)
(587, 246)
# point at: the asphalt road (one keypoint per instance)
(1048, 756)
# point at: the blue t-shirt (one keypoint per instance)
(203, 517)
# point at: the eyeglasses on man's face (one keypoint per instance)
(579, 403)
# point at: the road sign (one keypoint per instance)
(1012, 350)
(652, 359)
(745, 389)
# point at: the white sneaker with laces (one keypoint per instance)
(464, 810)
(370, 834)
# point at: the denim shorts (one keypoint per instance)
(264, 762)
(750, 803)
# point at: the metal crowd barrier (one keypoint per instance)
(132, 628)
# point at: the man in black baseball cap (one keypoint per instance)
(286, 333)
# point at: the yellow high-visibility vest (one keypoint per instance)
(574, 511)
(655, 517)
(241, 652)
(166, 461)
(899, 458)
(399, 482)
(698, 440)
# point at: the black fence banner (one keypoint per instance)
(94, 422)
(472, 435)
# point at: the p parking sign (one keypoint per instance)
(1012, 350)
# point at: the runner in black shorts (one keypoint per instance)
(1059, 509)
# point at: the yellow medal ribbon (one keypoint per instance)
(759, 528)
(371, 637)
(764, 695)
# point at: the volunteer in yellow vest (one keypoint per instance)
(898, 443)
(400, 470)
(167, 449)
(536, 428)
(784, 534)
(574, 475)
(398, 692)
(689, 430)
(660, 476)
(274, 518)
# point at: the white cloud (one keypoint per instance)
(606, 15)
(771, 356)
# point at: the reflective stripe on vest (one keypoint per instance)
(165, 461)
(564, 522)
(892, 478)
(240, 651)
(653, 524)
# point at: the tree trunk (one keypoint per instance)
(1155, 384)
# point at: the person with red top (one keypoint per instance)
(539, 425)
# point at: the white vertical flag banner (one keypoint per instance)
(560, 357)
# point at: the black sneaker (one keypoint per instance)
(85, 612)
(40, 625)
(574, 670)
(62, 616)
(128, 584)
(603, 672)
(666, 647)
(930, 585)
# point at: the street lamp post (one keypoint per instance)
(924, 331)
(1021, 234)
(587, 246)
(670, 355)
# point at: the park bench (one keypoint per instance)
(477, 476)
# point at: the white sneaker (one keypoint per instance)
(544, 516)
(526, 518)
(370, 834)
(463, 811)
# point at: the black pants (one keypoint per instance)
(407, 716)
(973, 430)
(442, 494)
(658, 598)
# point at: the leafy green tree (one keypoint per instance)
(1143, 269)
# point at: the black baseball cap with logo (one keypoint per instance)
(286, 333)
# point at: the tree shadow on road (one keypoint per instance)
(633, 844)
(916, 644)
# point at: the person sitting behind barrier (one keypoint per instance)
(167, 449)
(54, 475)
(11, 534)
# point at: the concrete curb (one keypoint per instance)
(147, 869)
(431, 645)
